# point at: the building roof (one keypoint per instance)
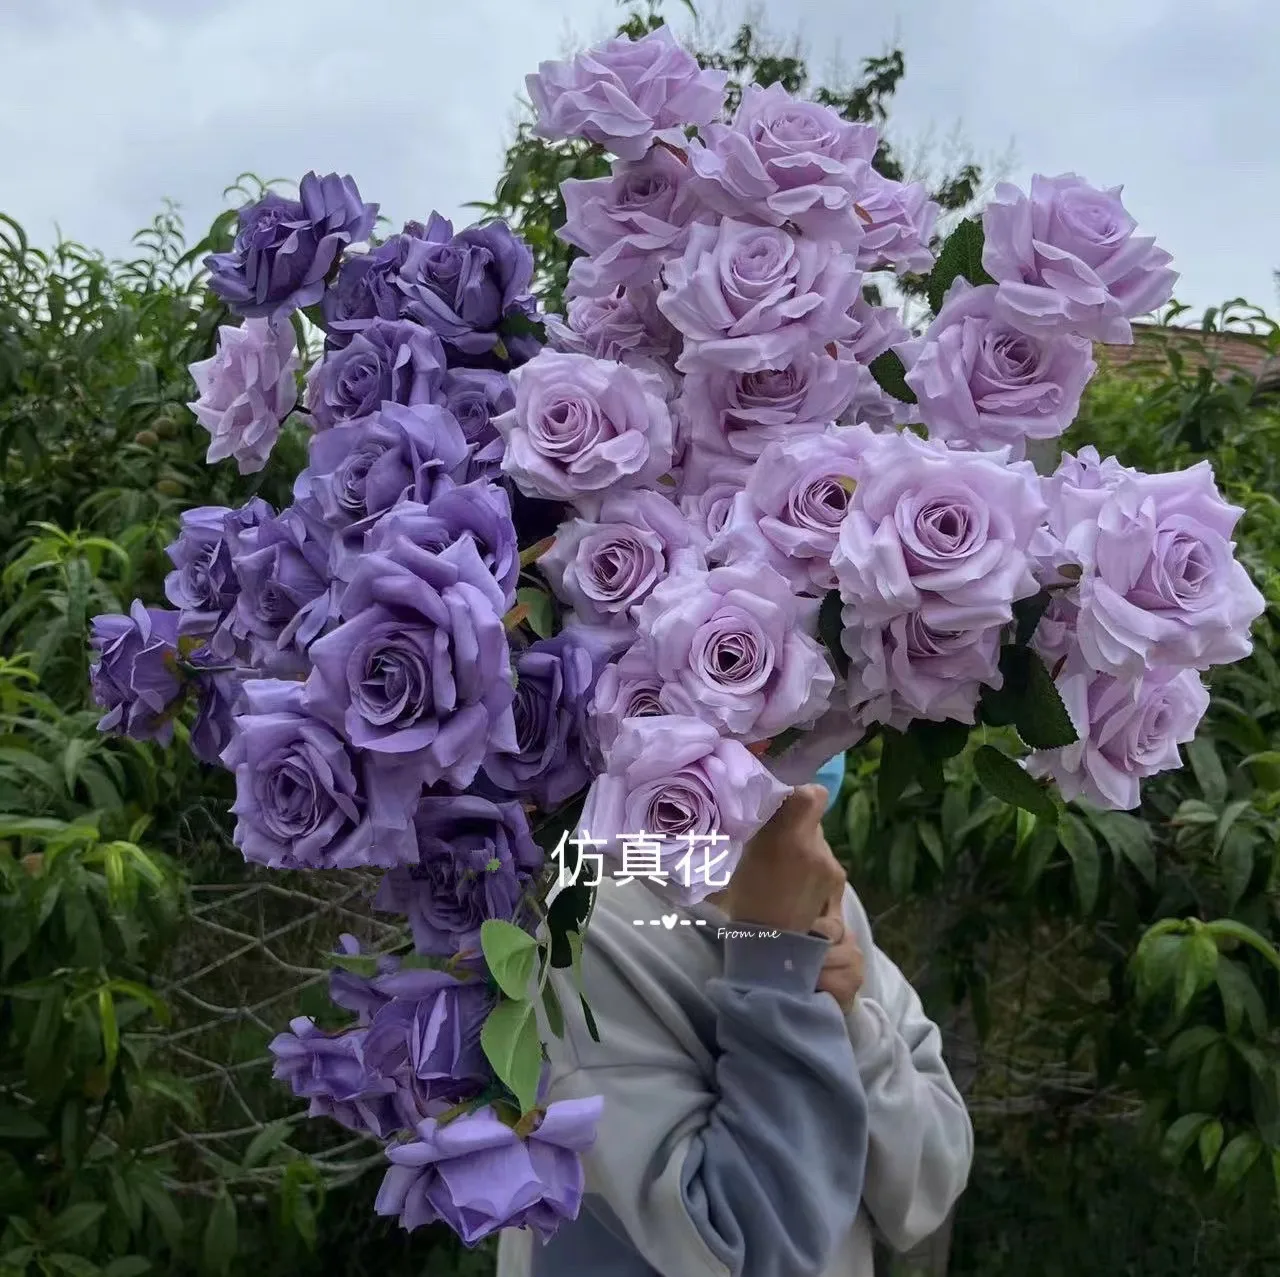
(1231, 351)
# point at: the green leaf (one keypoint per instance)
(1265, 769)
(76, 1220)
(961, 255)
(510, 954)
(1236, 1161)
(110, 1029)
(128, 1266)
(76, 1265)
(1197, 968)
(902, 860)
(541, 613)
(552, 1009)
(1181, 1135)
(16, 1124)
(510, 1043)
(220, 1241)
(890, 374)
(1127, 836)
(1190, 1042)
(1210, 1143)
(1240, 997)
(568, 911)
(265, 1142)
(1235, 863)
(831, 627)
(1041, 718)
(1207, 766)
(165, 1214)
(1001, 777)
(1027, 614)
(928, 834)
(899, 759)
(940, 741)
(590, 1019)
(1211, 1082)
(857, 825)
(1086, 864)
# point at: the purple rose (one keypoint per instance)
(462, 285)
(476, 1175)
(735, 643)
(629, 688)
(430, 1031)
(748, 297)
(369, 286)
(284, 249)
(303, 799)
(744, 412)
(581, 426)
(876, 329)
(983, 384)
(790, 513)
(480, 511)
(555, 679)
(630, 222)
(203, 585)
(606, 567)
(418, 672)
(331, 1071)
(135, 677)
(217, 695)
(678, 780)
(622, 92)
(286, 592)
(246, 390)
(708, 487)
(930, 525)
(624, 325)
(359, 993)
(1160, 583)
(783, 160)
(389, 360)
(475, 861)
(1128, 729)
(897, 221)
(359, 470)
(1067, 259)
(475, 396)
(913, 667)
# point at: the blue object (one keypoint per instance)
(831, 776)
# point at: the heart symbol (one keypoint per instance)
(669, 921)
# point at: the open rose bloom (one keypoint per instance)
(630, 572)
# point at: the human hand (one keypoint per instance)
(787, 872)
(844, 970)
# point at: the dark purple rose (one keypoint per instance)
(285, 249)
(217, 694)
(418, 673)
(136, 677)
(285, 597)
(430, 1030)
(361, 469)
(369, 287)
(462, 286)
(475, 396)
(203, 585)
(555, 679)
(355, 992)
(330, 1070)
(389, 360)
(475, 858)
(480, 511)
(304, 799)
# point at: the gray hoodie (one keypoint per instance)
(750, 1129)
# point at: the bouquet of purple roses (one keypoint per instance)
(632, 570)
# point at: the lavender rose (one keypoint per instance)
(790, 513)
(135, 677)
(622, 92)
(476, 1175)
(1160, 583)
(475, 396)
(897, 221)
(286, 595)
(631, 222)
(245, 391)
(708, 486)
(303, 799)
(475, 861)
(284, 249)
(388, 360)
(983, 384)
(624, 325)
(549, 759)
(677, 779)
(629, 688)
(418, 672)
(369, 286)
(783, 161)
(734, 643)
(748, 297)
(1067, 259)
(1128, 729)
(744, 412)
(581, 426)
(928, 524)
(914, 667)
(606, 567)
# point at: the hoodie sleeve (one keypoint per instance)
(920, 1145)
(743, 1162)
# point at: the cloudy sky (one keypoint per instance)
(109, 106)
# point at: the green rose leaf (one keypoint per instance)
(510, 954)
(891, 376)
(511, 1044)
(960, 255)
(1001, 777)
